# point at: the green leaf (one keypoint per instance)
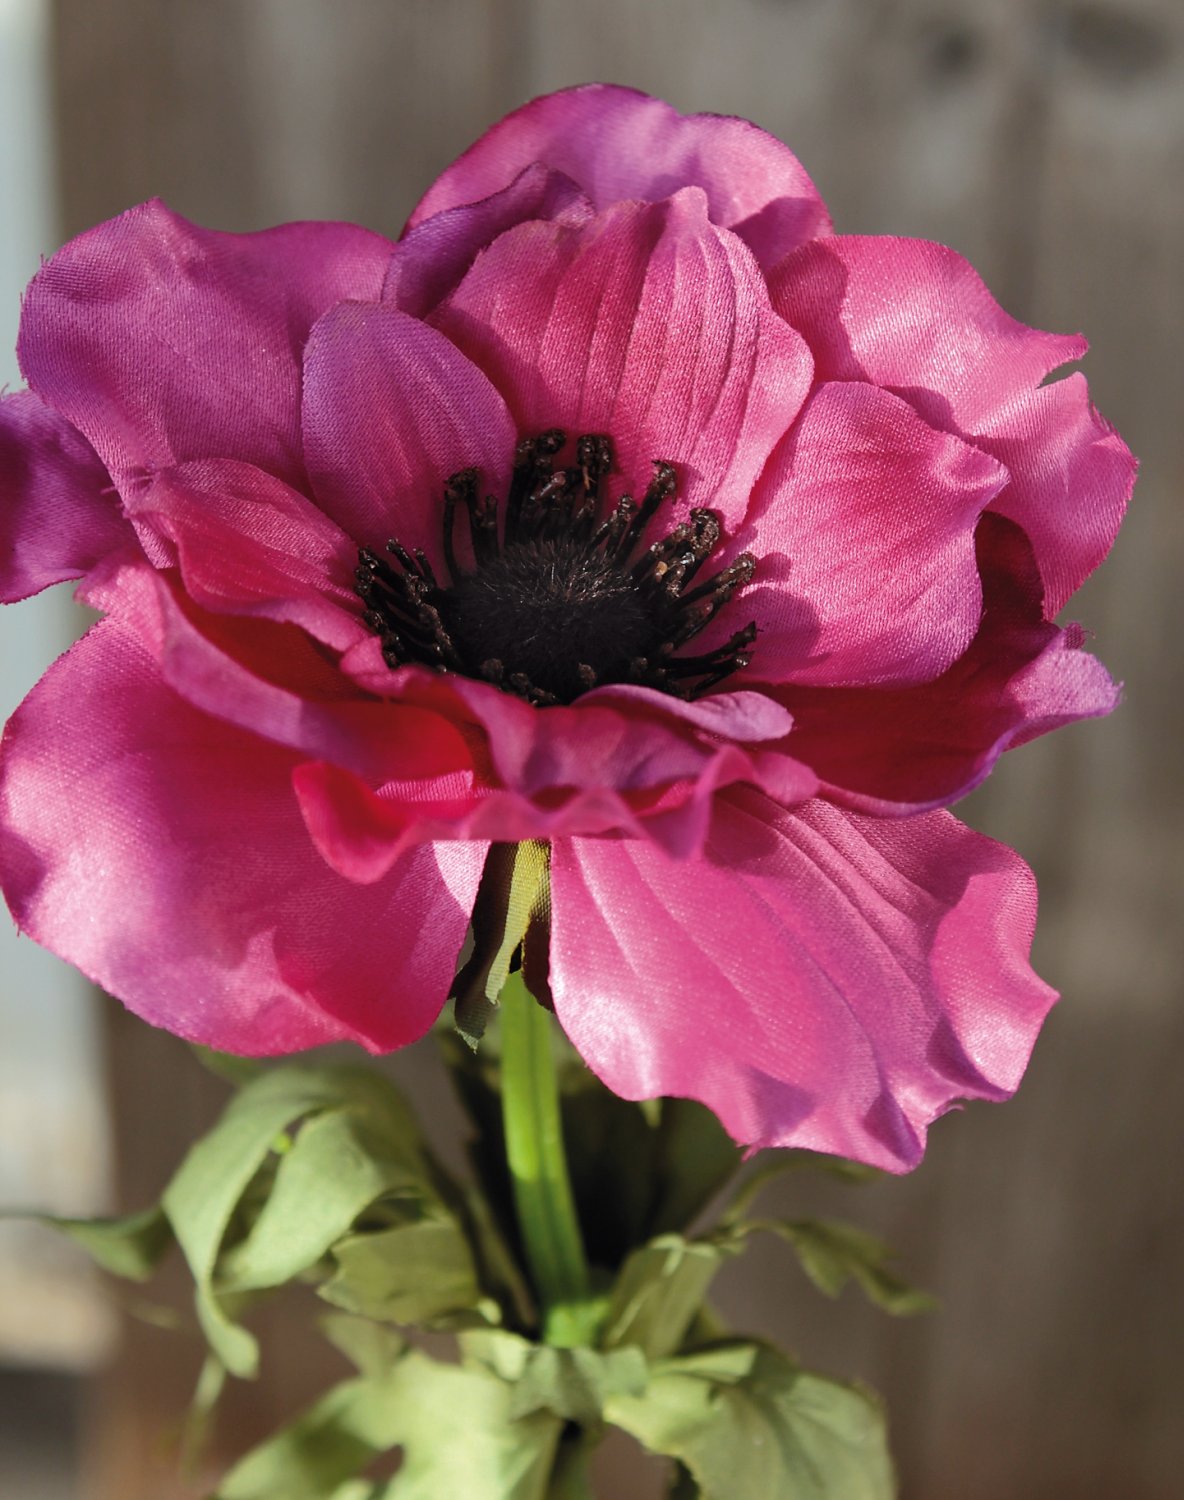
(659, 1292)
(420, 1273)
(372, 1348)
(515, 890)
(749, 1424)
(334, 1440)
(783, 1162)
(338, 1165)
(833, 1253)
(202, 1198)
(132, 1246)
(572, 1383)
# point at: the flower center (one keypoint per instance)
(557, 600)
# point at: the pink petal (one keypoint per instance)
(649, 324)
(906, 750)
(58, 511)
(391, 411)
(430, 259)
(269, 678)
(915, 317)
(863, 527)
(552, 773)
(620, 144)
(246, 543)
(882, 975)
(162, 342)
(162, 853)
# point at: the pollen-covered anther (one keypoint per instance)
(546, 600)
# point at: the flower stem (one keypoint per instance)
(538, 1169)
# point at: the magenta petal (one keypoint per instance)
(650, 324)
(391, 411)
(192, 891)
(620, 144)
(59, 514)
(246, 543)
(882, 974)
(915, 317)
(863, 527)
(910, 749)
(430, 260)
(162, 341)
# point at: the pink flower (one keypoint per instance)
(255, 801)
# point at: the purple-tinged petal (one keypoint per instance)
(162, 853)
(863, 530)
(890, 751)
(430, 259)
(619, 144)
(59, 514)
(162, 342)
(391, 411)
(883, 973)
(650, 324)
(915, 317)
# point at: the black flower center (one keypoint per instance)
(557, 600)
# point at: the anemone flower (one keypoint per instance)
(620, 507)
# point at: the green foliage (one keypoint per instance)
(659, 1293)
(131, 1247)
(833, 1253)
(748, 1424)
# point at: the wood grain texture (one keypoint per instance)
(1045, 140)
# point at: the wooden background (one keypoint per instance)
(1045, 140)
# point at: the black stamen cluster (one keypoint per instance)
(556, 601)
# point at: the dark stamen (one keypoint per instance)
(558, 604)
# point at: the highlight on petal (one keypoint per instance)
(883, 973)
(162, 341)
(915, 317)
(122, 845)
(59, 514)
(391, 411)
(893, 750)
(618, 144)
(650, 324)
(863, 524)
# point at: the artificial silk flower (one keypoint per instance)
(619, 506)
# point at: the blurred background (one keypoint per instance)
(1044, 139)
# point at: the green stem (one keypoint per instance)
(538, 1168)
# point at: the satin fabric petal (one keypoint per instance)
(863, 526)
(162, 853)
(915, 317)
(649, 324)
(59, 514)
(247, 543)
(391, 411)
(161, 341)
(882, 974)
(432, 258)
(906, 750)
(620, 144)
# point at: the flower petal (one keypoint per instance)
(391, 411)
(890, 751)
(162, 853)
(649, 324)
(162, 342)
(882, 975)
(246, 543)
(620, 144)
(863, 527)
(430, 259)
(58, 513)
(915, 317)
